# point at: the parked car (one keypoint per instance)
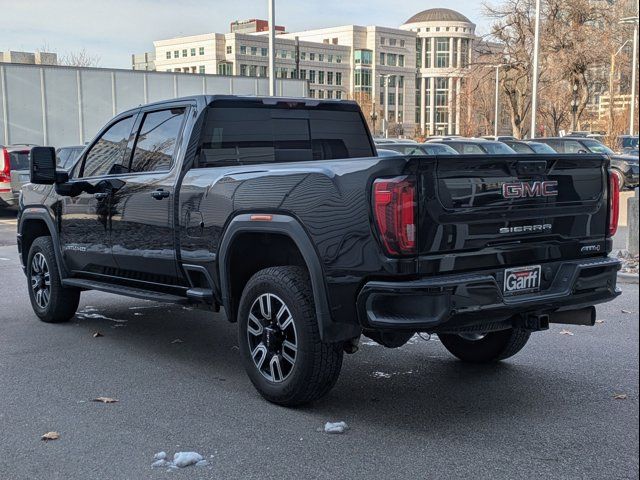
(624, 167)
(14, 172)
(627, 142)
(520, 146)
(422, 149)
(280, 212)
(67, 156)
(387, 152)
(477, 146)
(386, 141)
(499, 138)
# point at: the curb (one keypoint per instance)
(628, 278)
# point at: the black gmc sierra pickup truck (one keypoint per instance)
(280, 211)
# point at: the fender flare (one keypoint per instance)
(41, 214)
(330, 331)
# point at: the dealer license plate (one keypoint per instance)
(522, 280)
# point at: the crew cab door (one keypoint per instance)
(85, 218)
(142, 236)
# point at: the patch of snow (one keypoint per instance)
(335, 427)
(160, 463)
(202, 463)
(184, 459)
(100, 317)
(160, 456)
(381, 375)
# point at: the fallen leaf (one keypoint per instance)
(177, 340)
(566, 332)
(50, 436)
(599, 321)
(105, 400)
(97, 334)
(620, 396)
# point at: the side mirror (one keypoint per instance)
(42, 162)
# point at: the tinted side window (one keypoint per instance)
(242, 135)
(571, 146)
(470, 148)
(157, 140)
(106, 155)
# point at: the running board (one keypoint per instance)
(123, 290)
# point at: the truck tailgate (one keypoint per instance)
(491, 211)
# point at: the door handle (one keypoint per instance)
(100, 195)
(160, 194)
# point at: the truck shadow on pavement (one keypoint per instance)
(419, 388)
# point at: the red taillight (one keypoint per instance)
(394, 207)
(5, 170)
(614, 204)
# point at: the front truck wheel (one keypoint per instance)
(280, 341)
(51, 302)
(485, 348)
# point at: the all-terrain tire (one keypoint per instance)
(60, 303)
(316, 365)
(494, 346)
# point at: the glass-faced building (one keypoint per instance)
(444, 45)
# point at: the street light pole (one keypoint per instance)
(495, 115)
(534, 93)
(634, 76)
(272, 48)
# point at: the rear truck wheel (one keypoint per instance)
(51, 302)
(487, 347)
(280, 341)
(619, 178)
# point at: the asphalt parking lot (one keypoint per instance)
(414, 412)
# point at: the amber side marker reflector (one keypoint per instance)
(261, 218)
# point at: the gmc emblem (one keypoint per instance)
(548, 188)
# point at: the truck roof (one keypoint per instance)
(209, 99)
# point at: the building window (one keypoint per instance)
(321, 57)
(201, 69)
(382, 58)
(464, 53)
(229, 49)
(401, 60)
(283, 54)
(193, 52)
(253, 70)
(402, 43)
(263, 71)
(176, 54)
(362, 57)
(442, 52)
(303, 74)
(392, 59)
(225, 68)
(382, 40)
(428, 53)
(244, 70)
(168, 55)
(243, 49)
(201, 51)
(418, 53)
(330, 58)
(303, 55)
(329, 78)
(264, 52)
(184, 52)
(320, 93)
(312, 56)
(338, 78)
(338, 58)
(312, 93)
(320, 77)
(329, 94)
(254, 51)
(393, 42)
(312, 76)
(338, 95)
(362, 80)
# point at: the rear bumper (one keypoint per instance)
(8, 199)
(451, 302)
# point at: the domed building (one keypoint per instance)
(444, 45)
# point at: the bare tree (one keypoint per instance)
(79, 58)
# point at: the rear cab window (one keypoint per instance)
(244, 133)
(19, 159)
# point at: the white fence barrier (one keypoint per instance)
(57, 106)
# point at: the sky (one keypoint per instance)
(115, 29)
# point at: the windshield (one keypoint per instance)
(497, 148)
(597, 147)
(541, 147)
(435, 149)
